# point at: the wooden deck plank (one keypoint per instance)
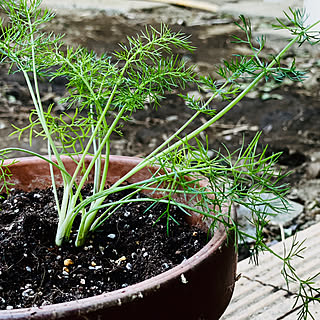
(261, 292)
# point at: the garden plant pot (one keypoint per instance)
(199, 288)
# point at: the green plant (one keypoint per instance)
(104, 92)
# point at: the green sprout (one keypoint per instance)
(103, 93)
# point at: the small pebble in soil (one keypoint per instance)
(127, 214)
(128, 266)
(68, 262)
(28, 293)
(165, 266)
(118, 261)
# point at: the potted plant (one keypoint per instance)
(103, 92)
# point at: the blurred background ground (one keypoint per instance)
(288, 116)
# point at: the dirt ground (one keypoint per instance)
(288, 115)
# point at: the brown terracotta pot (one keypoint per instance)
(199, 288)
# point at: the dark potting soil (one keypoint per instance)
(126, 249)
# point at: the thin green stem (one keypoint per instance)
(148, 160)
(37, 100)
